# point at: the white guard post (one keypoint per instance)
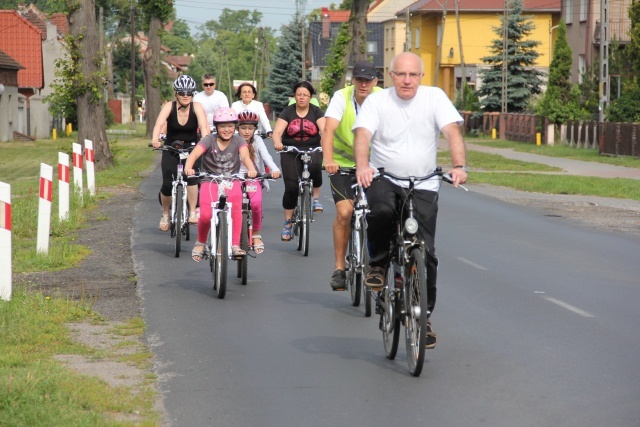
(77, 169)
(44, 208)
(5, 241)
(90, 158)
(63, 186)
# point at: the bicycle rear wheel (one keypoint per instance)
(221, 257)
(244, 244)
(176, 227)
(306, 220)
(416, 311)
(390, 319)
(354, 274)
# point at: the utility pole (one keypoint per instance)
(463, 70)
(407, 23)
(604, 59)
(133, 66)
(302, 43)
(505, 54)
(440, 39)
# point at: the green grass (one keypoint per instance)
(20, 167)
(36, 390)
(561, 150)
(535, 177)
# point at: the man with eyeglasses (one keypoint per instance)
(400, 127)
(337, 150)
(210, 98)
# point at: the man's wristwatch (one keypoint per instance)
(463, 167)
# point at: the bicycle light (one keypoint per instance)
(411, 226)
(306, 174)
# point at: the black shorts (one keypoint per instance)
(341, 187)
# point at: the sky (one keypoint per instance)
(275, 13)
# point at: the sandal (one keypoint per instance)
(164, 223)
(193, 218)
(286, 231)
(375, 277)
(258, 248)
(237, 252)
(197, 256)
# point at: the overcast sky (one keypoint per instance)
(275, 13)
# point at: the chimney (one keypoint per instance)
(326, 23)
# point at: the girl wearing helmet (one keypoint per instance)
(182, 117)
(246, 94)
(247, 125)
(222, 152)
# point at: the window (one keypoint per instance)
(372, 47)
(417, 40)
(583, 10)
(582, 67)
(568, 11)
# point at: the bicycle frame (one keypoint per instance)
(217, 207)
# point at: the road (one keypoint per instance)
(537, 324)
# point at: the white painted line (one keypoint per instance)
(569, 307)
(472, 264)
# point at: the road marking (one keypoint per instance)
(472, 264)
(569, 307)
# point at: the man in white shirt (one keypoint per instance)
(210, 98)
(403, 124)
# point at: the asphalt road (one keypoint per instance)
(537, 324)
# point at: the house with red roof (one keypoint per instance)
(11, 102)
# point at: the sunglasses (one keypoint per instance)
(185, 93)
(208, 84)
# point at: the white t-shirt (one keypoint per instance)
(211, 103)
(258, 108)
(337, 106)
(406, 132)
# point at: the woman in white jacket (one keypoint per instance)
(247, 124)
(246, 94)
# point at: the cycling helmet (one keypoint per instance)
(248, 117)
(225, 115)
(184, 84)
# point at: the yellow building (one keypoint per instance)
(477, 19)
(395, 29)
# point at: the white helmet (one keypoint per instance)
(184, 83)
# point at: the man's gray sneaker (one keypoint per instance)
(338, 280)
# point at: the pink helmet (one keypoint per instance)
(248, 117)
(225, 115)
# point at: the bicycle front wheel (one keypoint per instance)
(390, 318)
(306, 220)
(244, 244)
(177, 218)
(221, 255)
(416, 311)
(354, 273)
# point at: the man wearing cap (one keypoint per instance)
(337, 150)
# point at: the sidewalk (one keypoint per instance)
(569, 166)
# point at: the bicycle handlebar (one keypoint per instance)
(294, 149)
(437, 172)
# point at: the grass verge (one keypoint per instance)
(36, 390)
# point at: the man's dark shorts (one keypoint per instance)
(341, 187)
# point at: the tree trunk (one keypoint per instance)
(90, 105)
(358, 31)
(151, 71)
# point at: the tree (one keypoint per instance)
(561, 100)
(88, 80)
(333, 75)
(179, 39)
(286, 66)
(523, 80)
(233, 47)
(154, 13)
